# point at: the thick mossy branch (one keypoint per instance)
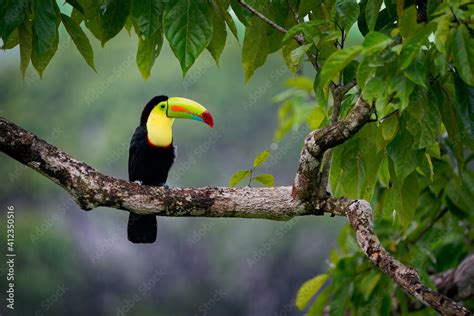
(91, 188)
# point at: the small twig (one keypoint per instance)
(415, 239)
(268, 21)
(388, 115)
(298, 37)
(295, 13)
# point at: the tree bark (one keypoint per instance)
(457, 283)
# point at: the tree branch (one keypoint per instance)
(91, 189)
(274, 25)
(338, 95)
(457, 283)
(307, 179)
(359, 214)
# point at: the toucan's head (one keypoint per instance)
(159, 114)
(176, 107)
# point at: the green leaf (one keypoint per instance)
(77, 16)
(442, 30)
(355, 164)
(463, 51)
(348, 12)
(76, 5)
(372, 10)
(401, 152)
(450, 118)
(217, 44)
(286, 50)
(12, 41)
(12, 14)
(406, 199)
(113, 16)
(255, 48)
(407, 22)
(238, 176)
(308, 290)
(376, 40)
(417, 71)
(266, 179)
(80, 40)
(465, 102)
(315, 118)
(92, 17)
(336, 62)
(461, 193)
(369, 282)
(228, 18)
(147, 16)
(188, 28)
(105, 19)
(413, 44)
(261, 158)
(390, 127)
(45, 35)
(300, 82)
(320, 303)
(128, 25)
(364, 72)
(298, 53)
(26, 41)
(423, 120)
(147, 52)
(308, 29)
(340, 299)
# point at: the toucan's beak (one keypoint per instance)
(188, 109)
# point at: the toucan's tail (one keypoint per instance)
(141, 229)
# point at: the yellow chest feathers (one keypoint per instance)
(159, 128)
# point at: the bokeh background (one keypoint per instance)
(81, 263)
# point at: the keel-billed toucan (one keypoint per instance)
(152, 153)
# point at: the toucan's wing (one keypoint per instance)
(136, 167)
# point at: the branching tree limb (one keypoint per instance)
(91, 189)
(308, 178)
(360, 218)
(457, 283)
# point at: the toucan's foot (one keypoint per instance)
(138, 182)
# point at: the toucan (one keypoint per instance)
(151, 152)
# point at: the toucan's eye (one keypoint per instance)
(162, 106)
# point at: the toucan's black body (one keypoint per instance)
(150, 165)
